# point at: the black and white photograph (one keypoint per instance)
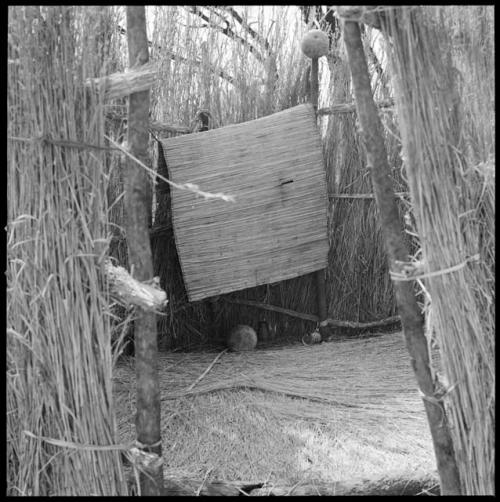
(250, 250)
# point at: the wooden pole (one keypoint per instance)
(314, 83)
(409, 311)
(319, 275)
(138, 212)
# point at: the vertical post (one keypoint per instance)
(319, 275)
(314, 83)
(409, 311)
(203, 116)
(138, 210)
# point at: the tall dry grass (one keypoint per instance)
(260, 65)
(443, 65)
(59, 360)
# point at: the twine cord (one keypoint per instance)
(436, 402)
(397, 276)
(79, 446)
(143, 446)
(46, 138)
(191, 187)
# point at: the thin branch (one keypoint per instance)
(401, 195)
(256, 36)
(281, 310)
(176, 57)
(361, 325)
(313, 317)
(190, 187)
(206, 371)
(217, 71)
(252, 384)
(351, 107)
(227, 30)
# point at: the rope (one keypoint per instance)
(62, 142)
(143, 446)
(407, 276)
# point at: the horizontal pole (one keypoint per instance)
(351, 107)
(313, 317)
(361, 195)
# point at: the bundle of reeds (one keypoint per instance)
(59, 362)
(443, 64)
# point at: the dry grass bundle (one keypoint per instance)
(289, 415)
(276, 226)
(443, 63)
(59, 359)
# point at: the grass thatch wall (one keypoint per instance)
(64, 211)
(443, 64)
(358, 282)
(246, 89)
(59, 360)
(358, 285)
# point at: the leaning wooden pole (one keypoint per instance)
(409, 311)
(138, 211)
(314, 45)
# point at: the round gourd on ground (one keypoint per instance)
(315, 44)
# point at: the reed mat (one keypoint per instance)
(276, 227)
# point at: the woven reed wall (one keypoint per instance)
(276, 229)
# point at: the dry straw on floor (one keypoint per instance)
(329, 412)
